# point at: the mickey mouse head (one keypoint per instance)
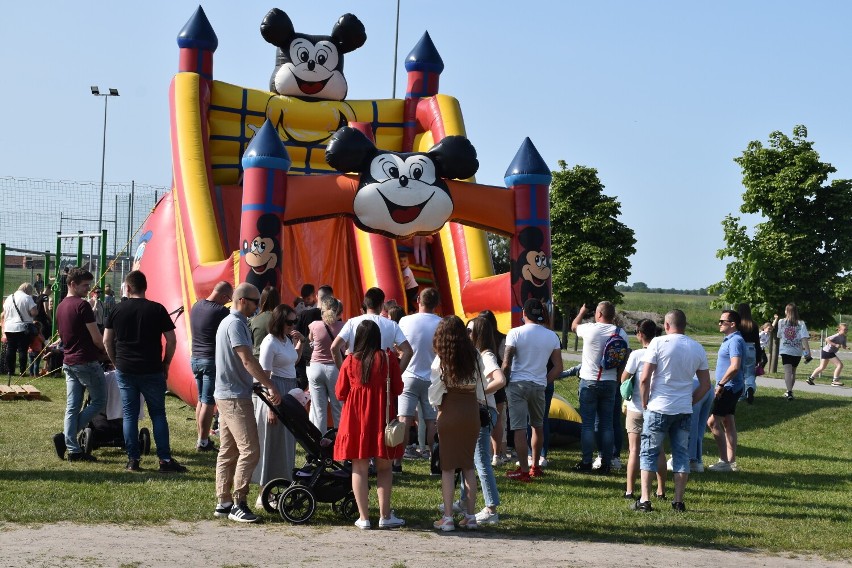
(311, 66)
(401, 194)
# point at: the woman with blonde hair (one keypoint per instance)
(456, 370)
(793, 336)
(18, 312)
(322, 372)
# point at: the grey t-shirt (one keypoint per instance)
(232, 378)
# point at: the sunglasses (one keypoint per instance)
(290, 322)
(255, 300)
(724, 321)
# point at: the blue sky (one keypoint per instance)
(659, 97)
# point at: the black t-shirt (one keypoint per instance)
(139, 325)
(205, 318)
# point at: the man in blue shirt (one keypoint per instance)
(729, 386)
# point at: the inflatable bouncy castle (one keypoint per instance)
(298, 184)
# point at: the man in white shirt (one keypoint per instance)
(598, 386)
(392, 336)
(667, 394)
(528, 349)
(419, 330)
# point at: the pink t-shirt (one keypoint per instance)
(321, 340)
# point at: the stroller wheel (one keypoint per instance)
(348, 508)
(297, 504)
(86, 439)
(271, 494)
(145, 441)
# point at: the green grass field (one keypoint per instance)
(794, 493)
(700, 317)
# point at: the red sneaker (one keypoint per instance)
(536, 472)
(519, 475)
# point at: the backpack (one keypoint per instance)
(615, 352)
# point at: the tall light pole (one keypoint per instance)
(112, 93)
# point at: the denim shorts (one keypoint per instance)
(416, 391)
(205, 378)
(655, 428)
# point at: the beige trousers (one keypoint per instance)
(239, 450)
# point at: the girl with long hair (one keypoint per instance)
(259, 324)
(793, 337)
(751, 336)
(455, 372)
(362, 387)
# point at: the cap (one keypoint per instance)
(534, 310)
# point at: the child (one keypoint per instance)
(764, 336)
(35, 349)
(829, 353)
(409, 282)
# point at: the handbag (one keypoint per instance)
(627, 388)
(484, 413)
(29, 327)
(394, 429)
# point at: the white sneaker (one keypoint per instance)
(457, 507)
(363, 525)
(391, 522)
(597, 463)
(445, 524)
(734, 466)
(485, 517)
(615, 465)
(542, 462)
(670, 464)
(696, 467)
(720, 466)
(469, 522)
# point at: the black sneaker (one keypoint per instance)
(132, 465)
(396, 468)
(679, 506)
(644, 506)
(603, 470)
(208, 447)
(171, 466)
(630, 496)
(242, 514)
(81, 457)
(223, 510)
(660, 496)
(810, 381)
(583, 467)
(750, 395)
(59, 444)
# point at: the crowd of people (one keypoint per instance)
(463, 385)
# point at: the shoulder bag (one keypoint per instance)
(29, 327)
(394, 429)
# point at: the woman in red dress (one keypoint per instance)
(362, 388)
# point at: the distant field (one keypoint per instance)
(700, 317)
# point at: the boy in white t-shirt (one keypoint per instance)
(528, 349)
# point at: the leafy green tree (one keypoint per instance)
(590, 246)
(801, 251)
(499, 248)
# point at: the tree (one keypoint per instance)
(590, 246)
(499, 248)
(801, 251)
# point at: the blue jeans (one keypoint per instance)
(482, 462)
(597, 399)
(78, 378)
(205, 378)
(152, 386)
(700, 413)
(654, 430)
(617, 429)
(749, 368)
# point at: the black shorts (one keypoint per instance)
(725, 404)
(827, 355)
(791, 360)
(500, 395)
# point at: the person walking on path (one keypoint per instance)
(793, 336)
(829, 353)
(239, 451)
(729, 386)
(204, 319)
(134, 342)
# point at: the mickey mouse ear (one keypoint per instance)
(455, 157)
(349, 150)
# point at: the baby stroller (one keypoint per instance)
(320, 480)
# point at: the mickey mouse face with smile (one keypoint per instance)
(311, 66)
(400, 195)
